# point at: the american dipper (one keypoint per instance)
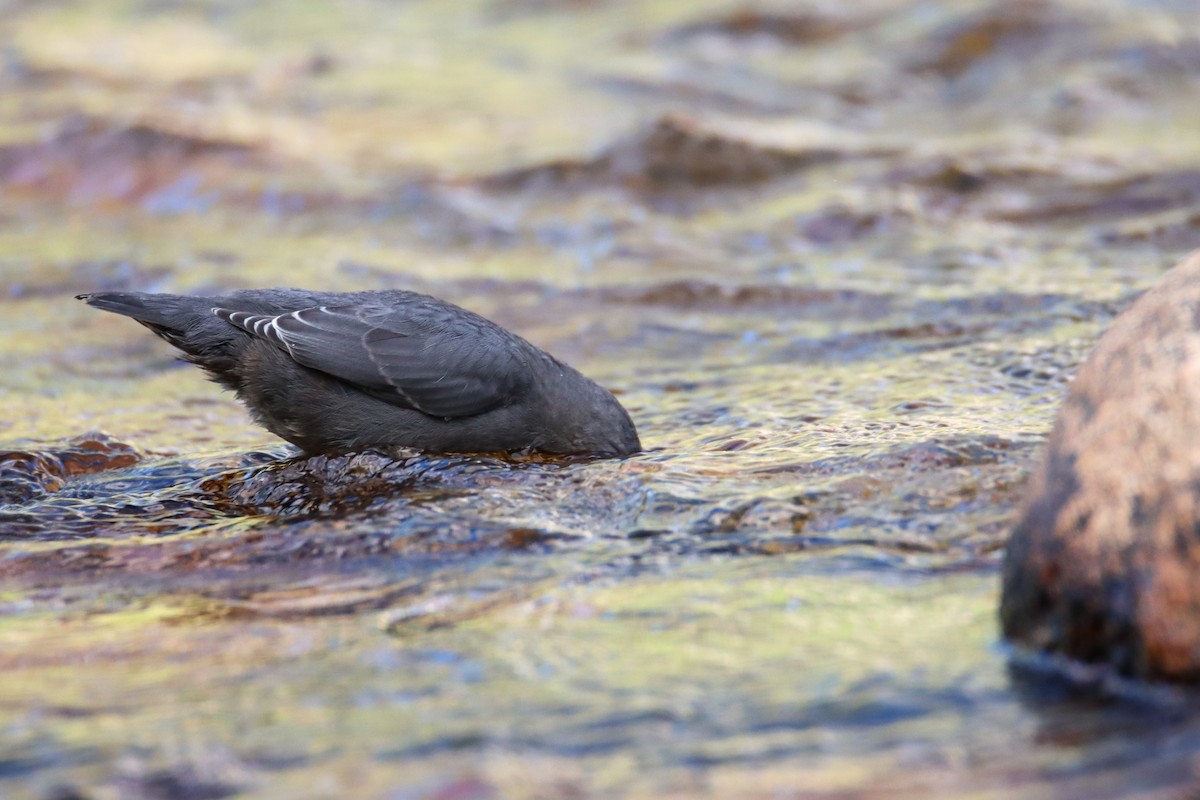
(343, 372)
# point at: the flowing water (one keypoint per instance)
(838, 263)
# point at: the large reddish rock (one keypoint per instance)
(1104, 563)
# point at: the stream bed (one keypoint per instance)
(839, 264)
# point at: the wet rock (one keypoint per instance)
(29, 474)
(1123, 197)
(698, 294)
(310, 485)
(954, 176)
(92, 160)
(1101, 565)
(982, 183)
(681, 152)
(796, 28)
(334, 510)
(1016, 30)
(324, 485)
(1032, 190)
(147, 498)
(518, 502)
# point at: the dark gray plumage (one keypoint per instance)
(342, 372)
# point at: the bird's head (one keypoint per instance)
(589, 419)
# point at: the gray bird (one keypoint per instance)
(344, 372)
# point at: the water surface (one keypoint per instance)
(839, 266)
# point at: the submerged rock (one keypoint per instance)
(92, 160)
(29, 474)
(1102, 564)
(679, 152)
(791, 27)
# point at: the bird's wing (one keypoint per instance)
(444, 365)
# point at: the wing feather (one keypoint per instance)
(436, 359)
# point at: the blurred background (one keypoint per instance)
(838, 260)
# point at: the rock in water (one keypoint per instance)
(343, 372)
(1104, 564)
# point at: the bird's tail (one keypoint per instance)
(185, 322)
(156, 310)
